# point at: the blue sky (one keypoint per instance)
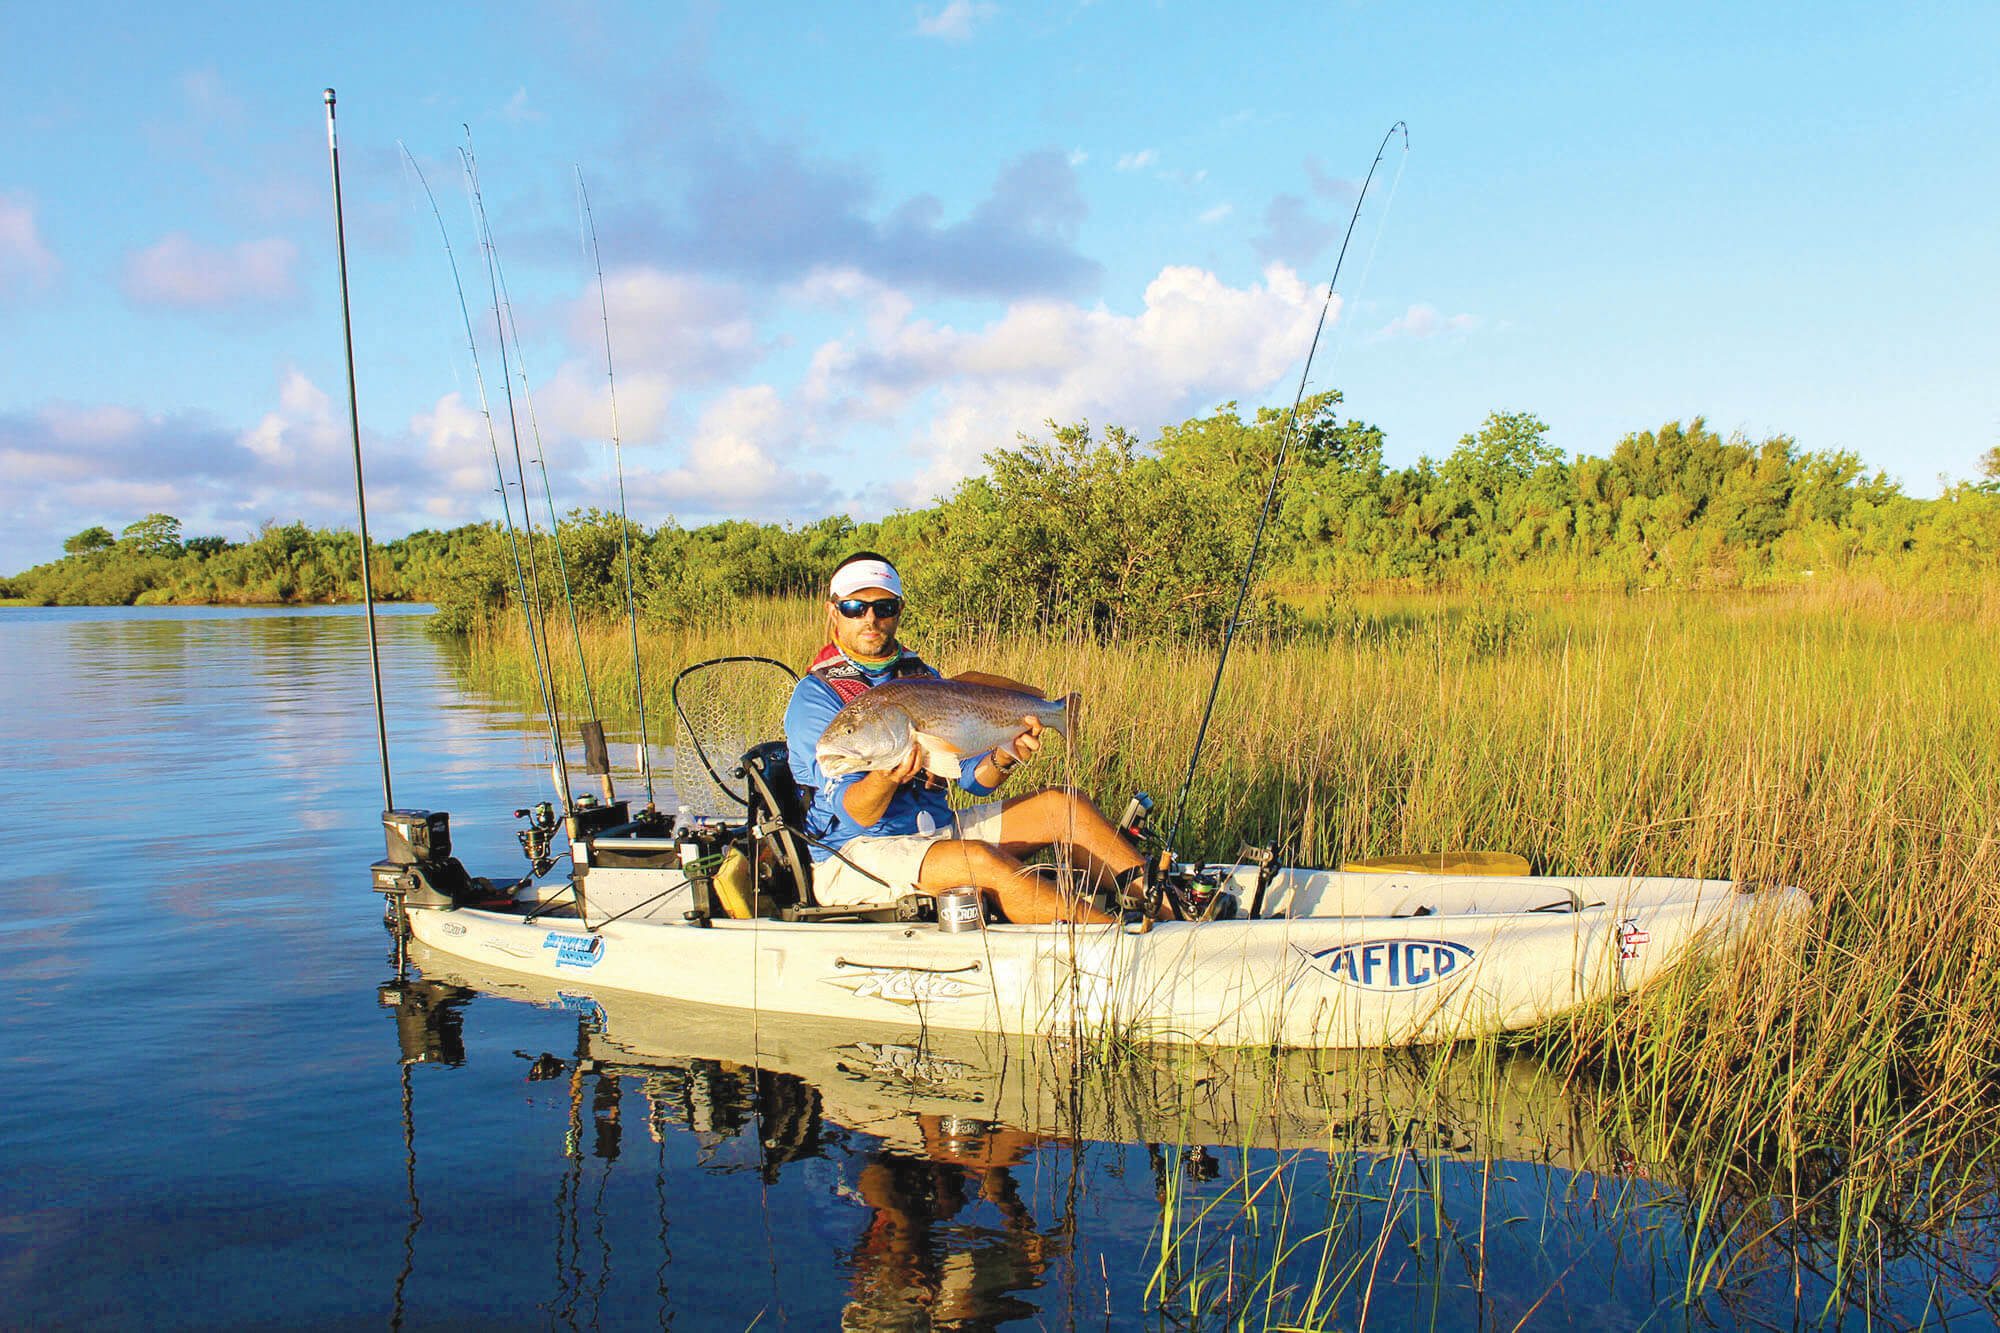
(851, 249)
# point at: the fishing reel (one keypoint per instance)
(1196, 893)
(538, 837)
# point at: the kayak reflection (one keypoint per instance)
(715, 1065)
(927, 1179)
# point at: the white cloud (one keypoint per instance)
(1195, 342)
(954, 23)
(1211, 216)
(1077, 157)
(518, 111)
(26, 262)
(89, 427)
(181, 273)
(671, 333)
(884, 307)
(697, 329)
(457, 454)
(1138, 161)
(1424, 321)
(75, 465)
(301, 428)
(111, 464)
(576, 403)
(742, 459)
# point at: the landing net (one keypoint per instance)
(722, 707)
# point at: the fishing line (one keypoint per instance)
(1277, 470)
(1344, 327)
(618, 459)
(499, 474)
(537, 632)
(506, 303)
(448, 357)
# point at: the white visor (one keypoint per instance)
(855, 575)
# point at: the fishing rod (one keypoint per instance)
(499, 476)
(1277, 469)
(597, 759)
(537, 631)
(354, 424)
(624, 523)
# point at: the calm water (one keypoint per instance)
(217, 1114)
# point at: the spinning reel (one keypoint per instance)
(1194, 891)
(537, 838)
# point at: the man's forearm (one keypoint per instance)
(990, 774)
(868, 800)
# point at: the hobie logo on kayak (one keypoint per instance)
(575, 950)
(1388, 965)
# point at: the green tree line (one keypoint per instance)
(1099, 529)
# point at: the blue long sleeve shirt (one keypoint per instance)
(916, 807)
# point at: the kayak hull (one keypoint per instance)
(1339, 959)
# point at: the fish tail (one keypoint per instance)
(1072, 704)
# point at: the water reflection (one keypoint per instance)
(986, 1180)
(958, 1181)
(919, 1263)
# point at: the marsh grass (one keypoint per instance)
(1840, 739)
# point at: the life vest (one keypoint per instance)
(850, 682)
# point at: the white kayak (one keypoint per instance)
(1335, 959)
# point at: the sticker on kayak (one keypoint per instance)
(575, 950)
(905, 986)
(1630, 937)
(1391, 965)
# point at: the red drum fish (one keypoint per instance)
(951, 720)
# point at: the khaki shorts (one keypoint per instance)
(898, 860)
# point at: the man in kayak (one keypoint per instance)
(876, 834)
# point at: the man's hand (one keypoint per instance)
(993, 770)
(911, 766)
(1023, 747)
(868, 799)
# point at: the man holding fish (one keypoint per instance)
(873, 734)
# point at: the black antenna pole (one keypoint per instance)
(354, 423)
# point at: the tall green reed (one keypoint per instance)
(1839, 739)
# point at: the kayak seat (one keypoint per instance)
(784, 866)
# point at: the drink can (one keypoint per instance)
(959, 910)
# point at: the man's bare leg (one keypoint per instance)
(1024, 899)
(1053, 817)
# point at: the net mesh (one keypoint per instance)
(721, 709)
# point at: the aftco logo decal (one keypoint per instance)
(1392, 965)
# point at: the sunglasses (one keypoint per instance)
(885, 608)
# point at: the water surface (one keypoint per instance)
(224, 1110)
